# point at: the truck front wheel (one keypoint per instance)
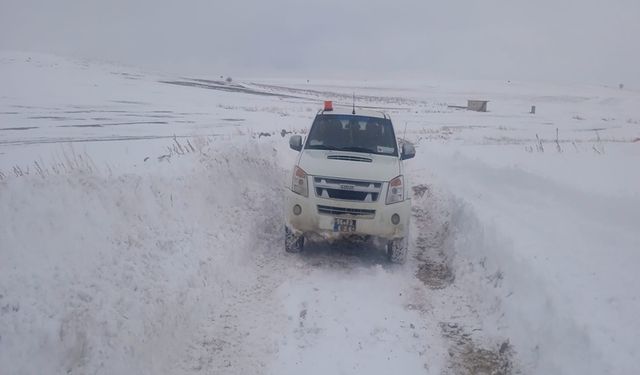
(293, 243)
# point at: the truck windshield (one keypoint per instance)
(352, 133)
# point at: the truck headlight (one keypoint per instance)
(395, 193)
(299, 182)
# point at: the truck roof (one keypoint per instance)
(348, 110)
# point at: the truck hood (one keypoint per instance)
(350, 165)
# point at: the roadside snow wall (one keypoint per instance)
(102, 273)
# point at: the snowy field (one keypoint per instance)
(141, 229)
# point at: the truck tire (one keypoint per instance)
(397, 250)
(293, 243)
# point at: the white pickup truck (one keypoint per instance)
(348, 182)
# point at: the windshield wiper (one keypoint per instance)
(349, 148)
(322, 147)
(357, 149)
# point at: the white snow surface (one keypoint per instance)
(141, 229)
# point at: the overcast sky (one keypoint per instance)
(553, 40)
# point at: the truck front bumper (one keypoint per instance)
(311, 222)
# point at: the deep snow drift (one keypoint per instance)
(141, 229)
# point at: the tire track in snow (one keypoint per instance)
(434, 265)
(469, 352)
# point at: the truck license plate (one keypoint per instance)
(344, 225)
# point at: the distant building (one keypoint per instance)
(477, 105)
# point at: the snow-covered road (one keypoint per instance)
(141, 230)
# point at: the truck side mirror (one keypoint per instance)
(295, 142)
(408, 151)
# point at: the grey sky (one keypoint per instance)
(551, 40)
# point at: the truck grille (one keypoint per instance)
(348, 190)
(342, 211)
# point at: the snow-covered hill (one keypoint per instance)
(141, 232)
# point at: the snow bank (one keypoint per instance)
(109, 274)
(549, 262)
